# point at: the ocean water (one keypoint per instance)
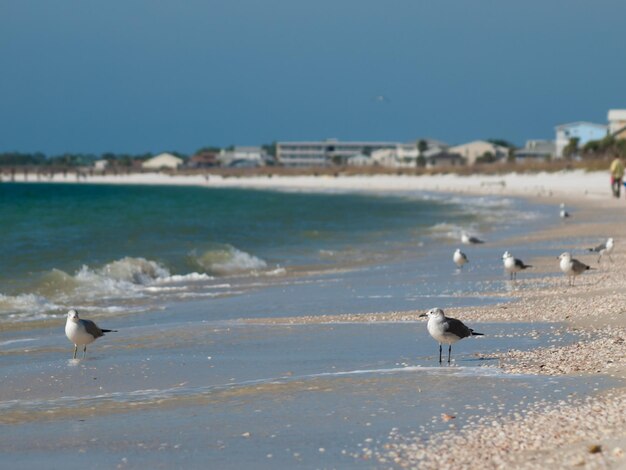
(119, 249)
(199, 372)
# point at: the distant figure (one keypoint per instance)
(459, 258)
(82, 332)
(563, 214)
(446, 330)
(605, 248)
(513, 265)
(571, 267)
(617, 175)
(468, 240)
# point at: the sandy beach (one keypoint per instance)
(581, 431)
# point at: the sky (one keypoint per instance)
(135, 76)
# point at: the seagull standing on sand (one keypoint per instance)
(82, 332)
(459, 258)
(513, 265)
(467, 240)
(605, 248)
(563, 214)
(446, 330)
(571, 267)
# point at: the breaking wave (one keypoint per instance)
(225, 260)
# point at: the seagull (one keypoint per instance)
(459, 258)
(513, 265)
(82, 332)
(563, 214)
(571, 267)
(467, 240)
(446, 330)
(605, 248)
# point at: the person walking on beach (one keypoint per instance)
(617, 175)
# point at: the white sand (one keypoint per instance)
(568, 184)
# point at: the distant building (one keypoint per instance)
(242, 157)
(204, 159)
(327, 152)
(472, 151)
(536, 150)
(438, 157)
(100, 165)
(583, 131)
(400, 156)
(360, 160)
(617, 123)
(163, 160)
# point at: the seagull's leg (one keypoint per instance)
(439, 353)
(610, 258)
(75, 349)
(84, 351)
(449, 352)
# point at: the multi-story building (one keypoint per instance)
(617, 123)
(327, 152)
(583, 131)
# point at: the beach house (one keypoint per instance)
(536, 150)
(617, 123)
(473, 151)
(581, 130)
(162, 161)
(240, 156)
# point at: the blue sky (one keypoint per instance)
(149, 75)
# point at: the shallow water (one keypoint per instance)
(235, 395)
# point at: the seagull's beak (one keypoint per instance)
(424, 315)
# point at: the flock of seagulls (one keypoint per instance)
(446, 330)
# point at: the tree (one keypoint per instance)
(571, 149)
(422, 146)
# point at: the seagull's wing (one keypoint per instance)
(456, 327)
(599, 248)
(92, 328)
(520, 264)
(578, 267)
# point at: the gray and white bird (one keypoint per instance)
(571, 267)
(459, 258)
(513, 265)
(82, 332)
(470, 240)
(563, 214)
(446, 330)
(605, 248)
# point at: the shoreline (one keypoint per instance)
(595, 308)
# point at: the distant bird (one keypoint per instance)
(468, 240)
(571, 267)
(605, 248)
(446, 330)
(563, 214)
(513, 265)
(459, 258)
(82, 332)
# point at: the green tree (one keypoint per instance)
(571, 149)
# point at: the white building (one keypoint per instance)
(617, 123)
(163, 160)
(400, 156)
(472, 151)
(242, 156)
